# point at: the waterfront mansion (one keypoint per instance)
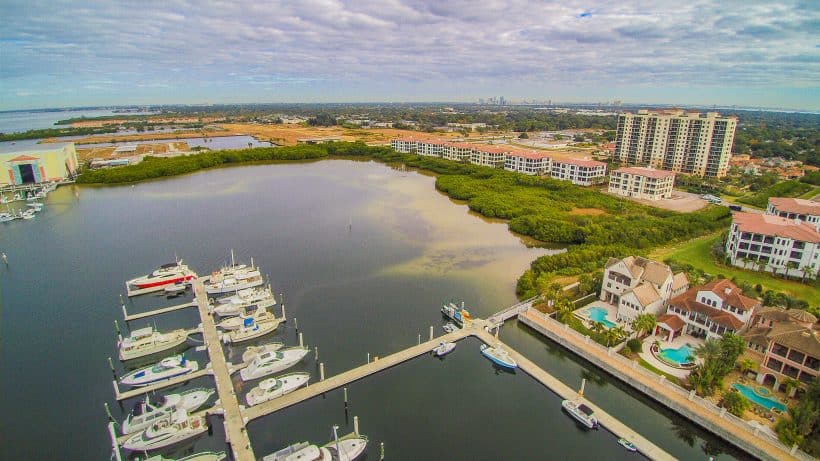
(637, 285)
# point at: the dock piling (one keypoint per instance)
(295, 323)
(321, 371)
(431, 332)
(124, 312)
(108, 412)
(301, 340)
(345, 391)
(368, 357)
(5, 259)
(381, 451)
(316, 353)
(419, 338)
(356, 425)
(111, 365)
(284, 317)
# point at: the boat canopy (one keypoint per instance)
(585, 409)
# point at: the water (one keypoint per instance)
(16, 121)
(680, 355)
(599, 314)
(364, 255)
(765, 402)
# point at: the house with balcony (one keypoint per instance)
(637, 285)
(708, 311)
(579, 171)
(527, 162)
(795, 208)
(786, 344)
(641, 182)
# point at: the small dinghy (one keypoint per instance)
(449, 327)
(272, 388)
(147, 341)
(272, 362)
(627, 444)
(167, 432)
(582, 413)
(253, 351)
(149, 414)
(498, 356)
(166, 369)
(443, 349)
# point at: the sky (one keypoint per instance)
(85, 53)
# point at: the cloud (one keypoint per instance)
(184, 45)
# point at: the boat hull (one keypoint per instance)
(144, 442)
(238, 336)
(145, 377)
(488, 353)
(291, 358)
(289, 383)
(171, 342)
(444, 349)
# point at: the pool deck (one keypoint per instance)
(646, 354)
(611, 314)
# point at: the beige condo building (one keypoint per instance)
(676, 140)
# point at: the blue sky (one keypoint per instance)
(70, 53)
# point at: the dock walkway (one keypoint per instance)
(235, 430)
(128, 317)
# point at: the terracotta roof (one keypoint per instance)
(796, 205)
(646, 294)
(757, 335)
(687, 301)
(679, 280)
(655, 272)
(643, 171)
(797, 337)
(801, 316)
(672, 321)
(730, 294)
(531, 154)
(777, 314)
(579, 162)
(23, 158)
(775, 226)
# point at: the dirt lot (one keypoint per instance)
(142, 149)
(684, 202)
(98, 123)
(106, 138)
(287, 134)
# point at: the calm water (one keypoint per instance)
(12, 122)
(364, 256)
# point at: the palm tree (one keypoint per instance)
(789, 266)
(808, 272)
(746, 365)
(644, 323)
(597, 327)
(789, 384)
(710, 349)
(614, 334)
(563, 310)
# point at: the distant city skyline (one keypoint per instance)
(725, 53)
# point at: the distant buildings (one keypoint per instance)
(323, 140)
(638, 286)
(578, 171)
(36, 164)
(786, 344)
(641, 182)
(708, 311)
(685, 142)
(774, 243)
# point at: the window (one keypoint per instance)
(779, 349)
(796, 356)
(774, 364)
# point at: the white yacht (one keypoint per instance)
(167, 274)
(5, 217)
(28, 214)
(147, 341)
(499, 356)
(235, 323)
(258, 296)
(272, 388)
(272, 362)
(251, 329)
(167, 368)
(148, 414)
(218, 285)
(252, 351)
(204, 456)
(582, 413)
(443, 349)
(167, 432)
(345, 449)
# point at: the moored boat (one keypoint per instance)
(627, 444)
(498, 356)
(253, 351)
(28, 214)
(6, 217)
(235, 323)
(443, 349)
(148, 413)
(147, 341)
(167, 432)
(176, 288)
(582, 413)
(449, 327)
(257, 296)
(167, 274)
(347, 448)
(204, 456)
(272, 388)
(218, 285)
(459, 315)
(272, 362)
(251, 329)
(166, 369)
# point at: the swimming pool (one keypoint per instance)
(679, 356)
(764, 402)
(598, 314)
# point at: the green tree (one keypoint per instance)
(789, 384)
(735, 403)
(524, 135)
(563, 310)
(644, 323)
(746, 365)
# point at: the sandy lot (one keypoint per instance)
(105, 138)
(142, 149)
(98, 123)
(288, 134)
(684, 202)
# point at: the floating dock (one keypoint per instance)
(128, 317)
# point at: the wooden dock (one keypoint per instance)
(128, 317)
(161, 385)
(235, 431)
(349, 376)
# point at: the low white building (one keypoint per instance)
(774, 244)
(795, 208)
(638, 286)
(580, 172)
(708, 311)
(528, 162)
(492, 156)
(642, 182)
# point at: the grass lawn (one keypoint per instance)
(810, 194)
(696, 252)
(648, 366)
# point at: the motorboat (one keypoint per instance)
(627, 444)
(235, 283)
(28, 214)
(582, 413)
(235, 323)
(35, 205)
(258, 296)
(149, 414)
(6, 217)
(166, 432)
(251, 329)
(176, 288)
(345, 449)
(253, 351)
(147, 341)
(272, 362)
(498, 356)
(167, 274)
(204, 456)
(449, 327)
(167, 368)
(443, 349)
(272, 388)
(236, 306)
(459, 315)
(232, 270)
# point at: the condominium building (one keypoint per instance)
(492, 156)
(641, 182)
(795, 208)
(580, 172)
(638, 285)
(684, 142)
(786, 344)
(527, 162)
(708, 311)
(774, 244)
